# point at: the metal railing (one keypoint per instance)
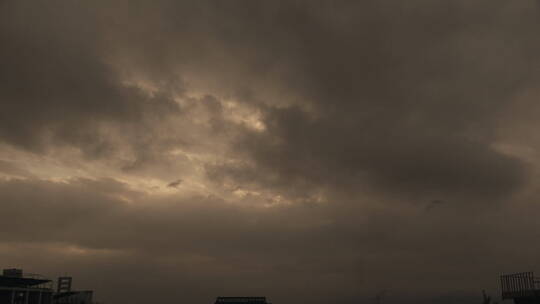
(519, 285)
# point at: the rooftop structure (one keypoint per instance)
(64, 294)
(523, 288)
(241, 300)
(64, 284)
(19, 288)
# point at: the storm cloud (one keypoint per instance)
(307, 151)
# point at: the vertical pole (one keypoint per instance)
(26, 296)
(513, 286)
(12, 296)
(518, 284)
(39, 300)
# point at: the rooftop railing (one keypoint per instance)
(520, 285)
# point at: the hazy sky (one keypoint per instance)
(307, 151)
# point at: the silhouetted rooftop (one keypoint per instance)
(7, 281)
(522, 287)
(241, 300)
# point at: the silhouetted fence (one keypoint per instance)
(519, 285)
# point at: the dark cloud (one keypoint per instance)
(306, 136)
(297, 148)
(175, 183)
(56, 84)
(407, 105)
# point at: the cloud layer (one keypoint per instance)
(302, 150)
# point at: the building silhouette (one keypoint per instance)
(19, 288)
(523, 288)
(241, 300)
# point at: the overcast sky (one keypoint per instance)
(307, 151)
